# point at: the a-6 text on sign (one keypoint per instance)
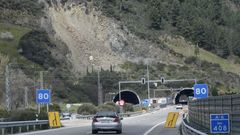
(219, 123)
(200, 90)
(43, 96)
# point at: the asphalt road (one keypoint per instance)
(146, 124)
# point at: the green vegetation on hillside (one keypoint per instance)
(209, 23)
(187, 49)
(9, 46)
(33, 7)
(36, 46)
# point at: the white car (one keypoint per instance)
(179, 106)
(66, 116)
(106, 121)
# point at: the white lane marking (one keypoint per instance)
(151, 129)
(47, 130)
(148, 113)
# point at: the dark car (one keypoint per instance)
(106, 121)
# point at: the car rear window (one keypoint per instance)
(106, 114)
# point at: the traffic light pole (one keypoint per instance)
(125, 82)
(178, 80)
(162, 80)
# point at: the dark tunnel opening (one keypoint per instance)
(128, 97)
(182, 96)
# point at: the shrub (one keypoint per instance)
(52, 108)
(87, 109)
(36, 46)
(137, 109)
(27, 114)
(190, 60)
(128, 107)
(110, 103)
(43, 116)
(106, 107)
(55, 107)
(3, 113)
(23, 115)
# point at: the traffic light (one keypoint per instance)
(143, 80)
(162, 80)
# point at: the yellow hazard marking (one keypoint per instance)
(54, 119)
(171, 120)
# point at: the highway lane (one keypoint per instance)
(146, 124)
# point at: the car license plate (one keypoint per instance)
(106, 121)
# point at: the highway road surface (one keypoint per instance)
(146, 124)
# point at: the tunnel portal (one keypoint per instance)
(181, 97)
(128, 96)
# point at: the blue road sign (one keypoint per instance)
(43, 96)
(145, 103)
(200, 90)
(219, 123)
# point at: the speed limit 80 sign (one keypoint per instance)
(43, 96)
(200, 90)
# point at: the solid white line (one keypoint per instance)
(45, 131)
(148, 113)
(151, 129)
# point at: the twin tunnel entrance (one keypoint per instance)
(132, 97)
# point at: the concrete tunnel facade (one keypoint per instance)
(184, 92)
(128, 96)
(132, 97)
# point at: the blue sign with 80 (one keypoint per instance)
(43, 96)
(219, 123)
(200, 90)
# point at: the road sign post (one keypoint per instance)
(219, 123)
(200, 90)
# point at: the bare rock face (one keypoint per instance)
(6, 35)
(89, 34)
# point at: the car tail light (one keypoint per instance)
(95, 120)
(116, 119)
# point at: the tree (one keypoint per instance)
(175, 9)
(196, 50)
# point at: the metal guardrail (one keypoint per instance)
(188, 130)
(121, 115)
(20, 125)
(27, 124)
(200, 110)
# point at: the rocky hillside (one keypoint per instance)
(69, 40)
(87, 33)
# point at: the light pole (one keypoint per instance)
(100, 101)
(148, 82)
(119, 90)
(154, 96)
